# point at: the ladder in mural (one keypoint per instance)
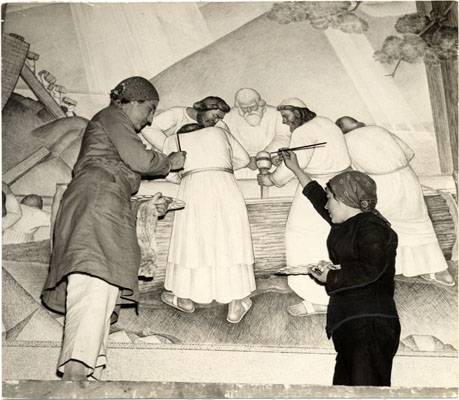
(19, 61)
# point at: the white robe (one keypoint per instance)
(306, 231)
(270, 135)
(386, 158)
(210, 253)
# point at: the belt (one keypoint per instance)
(194, 171)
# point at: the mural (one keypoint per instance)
(390, 67)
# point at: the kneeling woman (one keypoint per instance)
(210, 254)
(362, 318)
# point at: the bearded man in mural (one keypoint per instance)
(257, 126)
(209, 111)
(306, 232)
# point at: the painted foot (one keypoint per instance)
(443, 278)
(185, 305)
(237, 310)
(306, 308)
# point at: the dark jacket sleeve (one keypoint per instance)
(371, 248)
(132, 151)
(318, 197)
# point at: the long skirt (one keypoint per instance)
(210, 254)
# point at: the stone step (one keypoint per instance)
(174, 390)
(230, 364)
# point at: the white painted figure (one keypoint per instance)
(207, 112)
(257, 126)
(210, 253)
(386, 158)
(11, 209)
(32, 219)
(306, 232)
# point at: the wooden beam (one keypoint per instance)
(440, 117)
(42, 94)
(442, 82)
(449, 76)
(20, 169)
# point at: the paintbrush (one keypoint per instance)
(309, 146)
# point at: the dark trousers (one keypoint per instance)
(366, 347)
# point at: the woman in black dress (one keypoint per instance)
(362, 318)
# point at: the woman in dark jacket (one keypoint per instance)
(362, 318)
(96, 257)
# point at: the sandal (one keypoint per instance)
(432, 278)
(246, 306)
(304, 309)
(172, 300)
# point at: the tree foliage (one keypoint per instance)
(320, 14)
(422, 39)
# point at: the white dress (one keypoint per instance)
(270, 135)
(306, 231)
(386, 158)
(210, 253)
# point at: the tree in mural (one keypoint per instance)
(320, 14)
(423, 38)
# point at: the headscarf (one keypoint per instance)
(134, 88)
(356, 190)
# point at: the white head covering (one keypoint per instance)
(294, 102)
